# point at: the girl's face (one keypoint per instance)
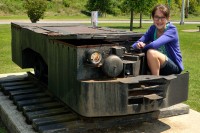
(160, 20)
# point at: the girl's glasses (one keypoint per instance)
(156, 18)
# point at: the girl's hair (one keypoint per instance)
(163, 8)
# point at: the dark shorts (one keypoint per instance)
(169, 67)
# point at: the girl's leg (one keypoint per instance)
(155, 60)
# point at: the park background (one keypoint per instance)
(113, 11)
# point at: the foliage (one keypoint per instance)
(77, 7)
(193, 8)
(103, 6)
(65, 7)
(66, 3)
(138, 6)
(11, 7)
(179, 3)
(174, 5)
(35, 9)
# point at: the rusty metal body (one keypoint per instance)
(93, 71)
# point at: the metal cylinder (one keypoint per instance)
(112, 66)
(94, 19)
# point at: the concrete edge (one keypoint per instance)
(178, 109)
(12, 118)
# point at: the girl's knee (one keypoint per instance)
(151, 53)
(154, 54)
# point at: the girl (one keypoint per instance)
(161, 44)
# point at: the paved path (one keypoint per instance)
(86, 21)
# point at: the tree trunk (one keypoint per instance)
(186, 9)
(131, 21)
(182, 12)
(140, 20)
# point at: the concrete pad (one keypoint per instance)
(186, 123)
(175, 110)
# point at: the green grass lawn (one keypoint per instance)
(84, 17)
(190, 46)
(7, 65)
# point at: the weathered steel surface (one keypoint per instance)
(28, 96)
(53, 120)
(45, 113)
(15, 83)
(41, 106)
(12, 88)
(25, 91)
(130, 95)
(73, 31)
(33, 101)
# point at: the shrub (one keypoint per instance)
(35, 9)
(66, 3)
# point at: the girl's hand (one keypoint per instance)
(140, 45)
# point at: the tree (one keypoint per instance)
(35, 9)
(137, 6)
(194, 7)
(103, 6)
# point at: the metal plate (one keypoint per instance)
(73, 31)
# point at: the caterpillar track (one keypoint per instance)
(47, 114)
